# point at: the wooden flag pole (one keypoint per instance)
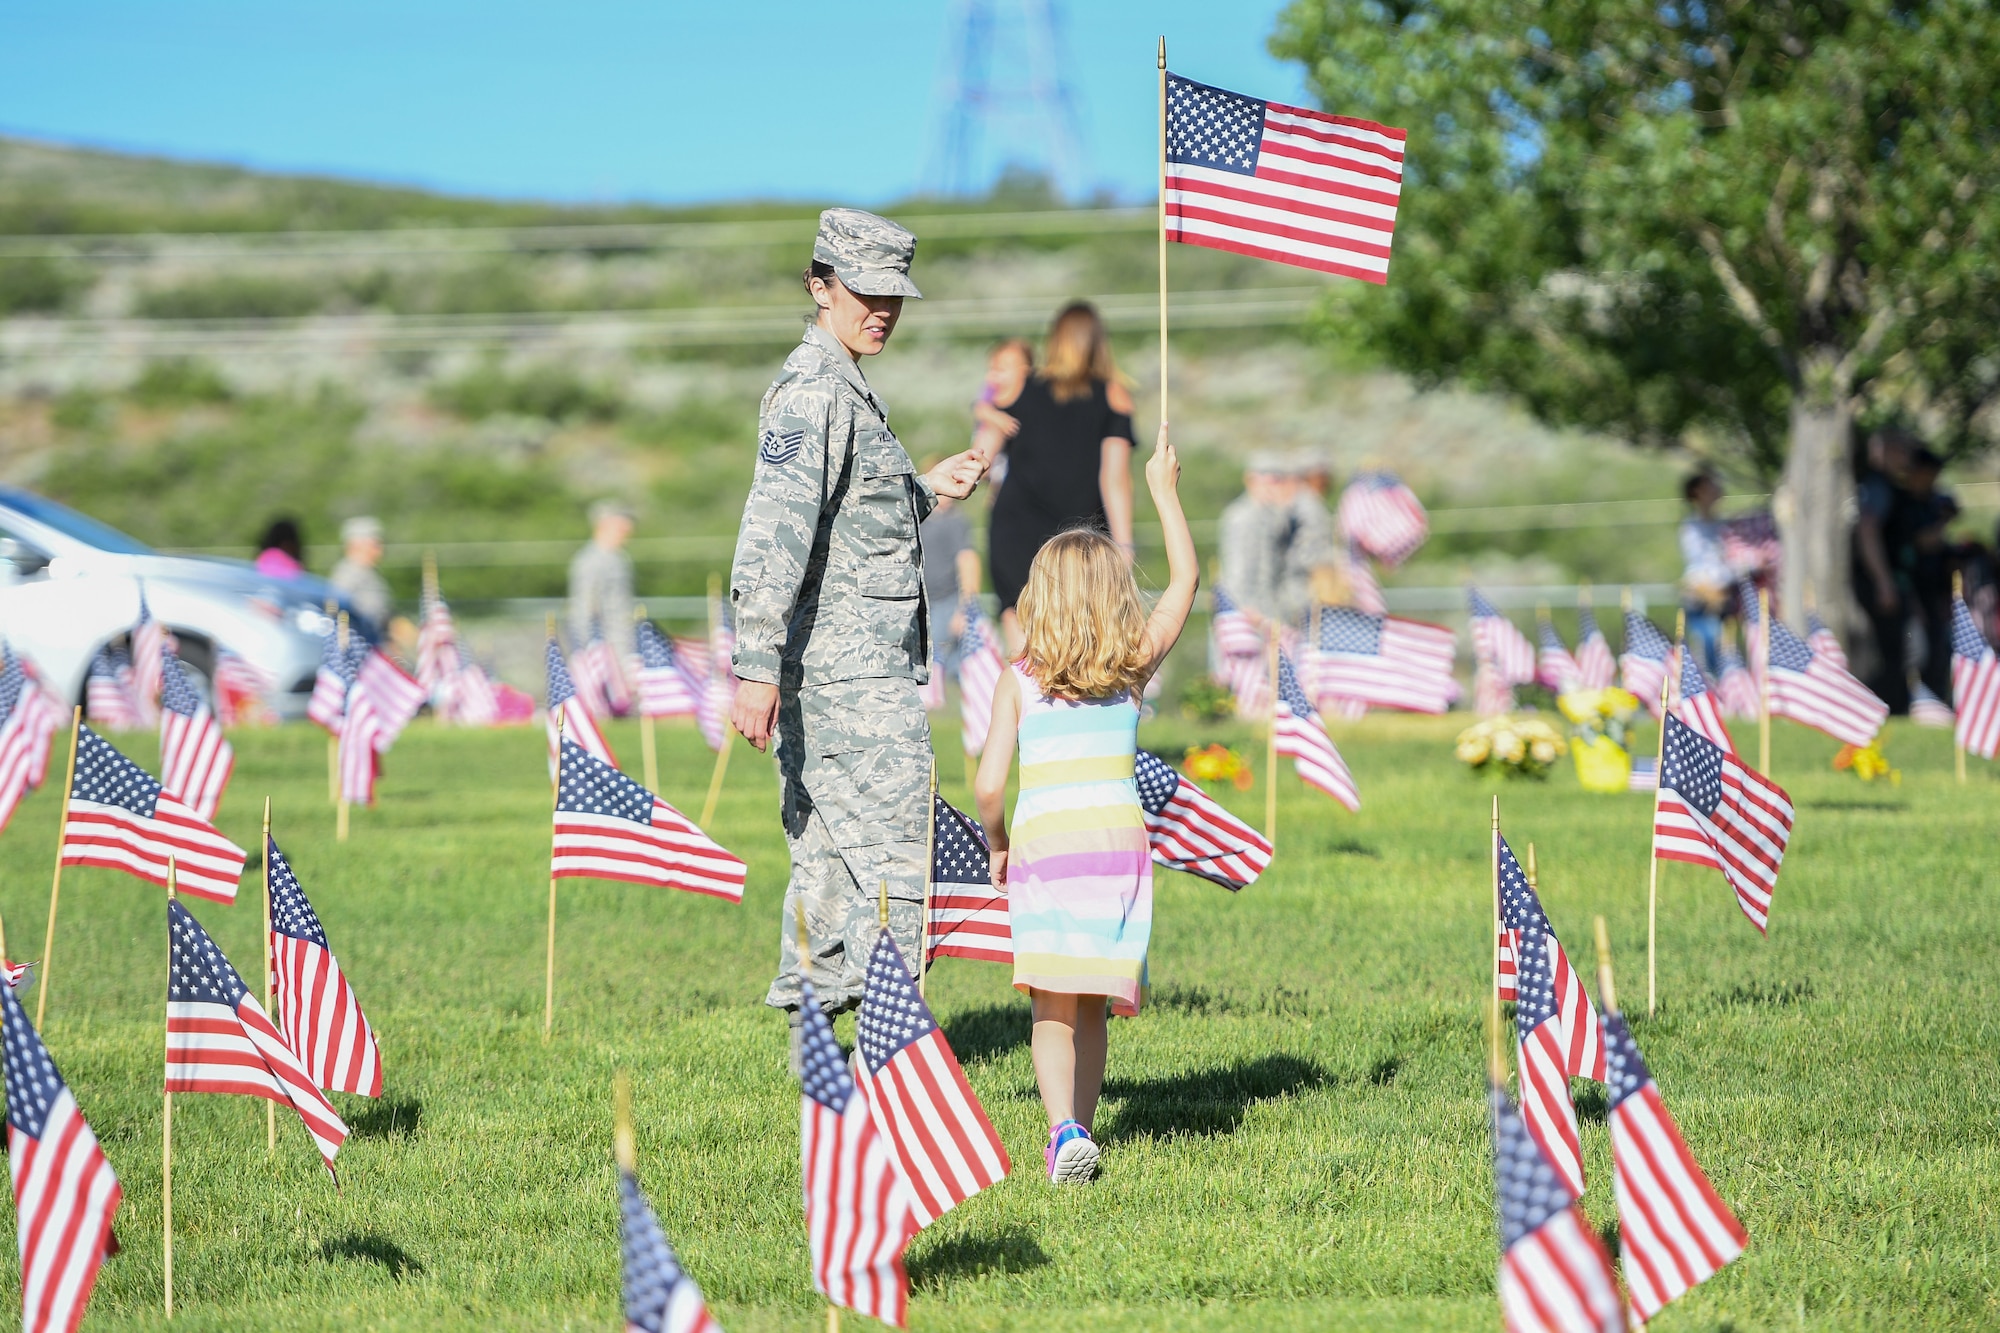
(340, 803)
(549, 982)
(882, 901)
(622, 1145)
(1763, 684)
(55, 885)
(167, 1124)
(1957, 736)
(722, 751)
(1271, 751)
(270, 981)
(1607, 994)
(930, 878)
(646, 743)
(805, 974)
(1163, 231)
(334, 613)
(1653, 862)
(433, 594)
(1499, 921)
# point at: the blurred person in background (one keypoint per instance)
(1923, 562)
(281, 552)
(1258, 534)
(1875, 588)
(1312, 552)
(600, 580)
(1069, 463)
(951, 571)
(1008, 366)
(356, 577)
(1707, 581)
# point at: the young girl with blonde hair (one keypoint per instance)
(1077, 871)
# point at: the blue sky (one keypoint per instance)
(593, 99)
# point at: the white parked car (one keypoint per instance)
(69, 585)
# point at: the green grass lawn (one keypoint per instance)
(1294, 1129)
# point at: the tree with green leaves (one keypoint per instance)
(1747, 226)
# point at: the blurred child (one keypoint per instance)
(1080, 886)
(1008, 366)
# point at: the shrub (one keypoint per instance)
(35, 285)
(550, 392)
(231, 296)
(176, 382)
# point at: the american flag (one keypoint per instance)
(219, 1039)
(968, 915)
(1238, 652)
(1382, 517)
(1927, 710)
(1737, 686)
(659, 1295)
(25, 731)
(718, 693)
(1302, 737)
(1823, 641)
(600, 681)
(1189, 830)
(1593, 654)
(932, 1122)
(1644, 661)
(1385, 661)
(859, 1216)
(1645, 774)
(1575, 1015)
(65, 1195)
(979, 669)
(609, 827)
(1554, 666)
(437, 645)
(1699, 706)
(394, 692)
(195, 759)
(1808, 688)
(13, 973)
(576, 723)
(1751, 545)
(337, 669)
(1975, 684)
(1280, 182)
(1497, 643)
(1554, 1273)
(1492, 696)
(242, 691)
(665, 690)
(108, 700)
(1716, 811)
(1545, 1034)
(1673, 1229)
(120, 818)
(149, 641)
(317, 1010)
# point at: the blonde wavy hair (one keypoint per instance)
(1083, 620)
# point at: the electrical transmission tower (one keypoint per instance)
(1005, 100)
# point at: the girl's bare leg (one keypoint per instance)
(1054, 1047)
(1092, 1038)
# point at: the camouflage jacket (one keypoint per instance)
(828, 578)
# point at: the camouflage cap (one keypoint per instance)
(870, 254)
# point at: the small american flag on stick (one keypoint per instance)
(120, 818)
(1301, 737)
(1189, 830)
(1809, 687)
(1237, 649)
(1975, 684)
(25, 731)
(1521, 909)
(337, 668)
(321, 1019)
(575, 724)
(859, 1217)
(1385, 661)
(195, 759)
(108, 698)
(1674, 1231)
(660, 1297)
(979, 669)
(1554, 666)
(1382, 518)
(1554, 1273)
(1699, 706)
(1593, 654)
(1497, 643)
(149, 641)
(1716, 811)
(65, 1195)
(935, 1127)
(1281, 182)
(609, 827)
(665, 689)
(219, 1039)
(1644, 661)
(968, 915)
(1542, 1040)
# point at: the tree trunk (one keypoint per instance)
(1815, 511)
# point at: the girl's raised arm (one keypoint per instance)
(1170, 613)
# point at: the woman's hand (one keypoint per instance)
(754, 714)
(1163, 469)
(956, 476)
(998, 862)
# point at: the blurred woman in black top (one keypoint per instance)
(1069, 464)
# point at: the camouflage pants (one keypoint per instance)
(854, 772)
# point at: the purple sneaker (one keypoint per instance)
(1071, 1155)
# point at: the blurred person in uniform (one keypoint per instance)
(1256, 534)
(1312, 549)
(951, 571)
(1923, 562)
(357, 579)
(1873, 573)
(1707, 580)
(281, 552)
(832, 633)
(600, 580)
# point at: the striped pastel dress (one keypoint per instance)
(1080, 878)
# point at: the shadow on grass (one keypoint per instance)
(1012, 1250)
(1352, 847)
(1765, 995)
(1889, 807)
(374, 1250)
(1592, 1106)
(1206, 1102)
(984, 1033)
(387, 1120)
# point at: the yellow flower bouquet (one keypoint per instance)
(1217, 763)
(1520, 747)
(1601, 723)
